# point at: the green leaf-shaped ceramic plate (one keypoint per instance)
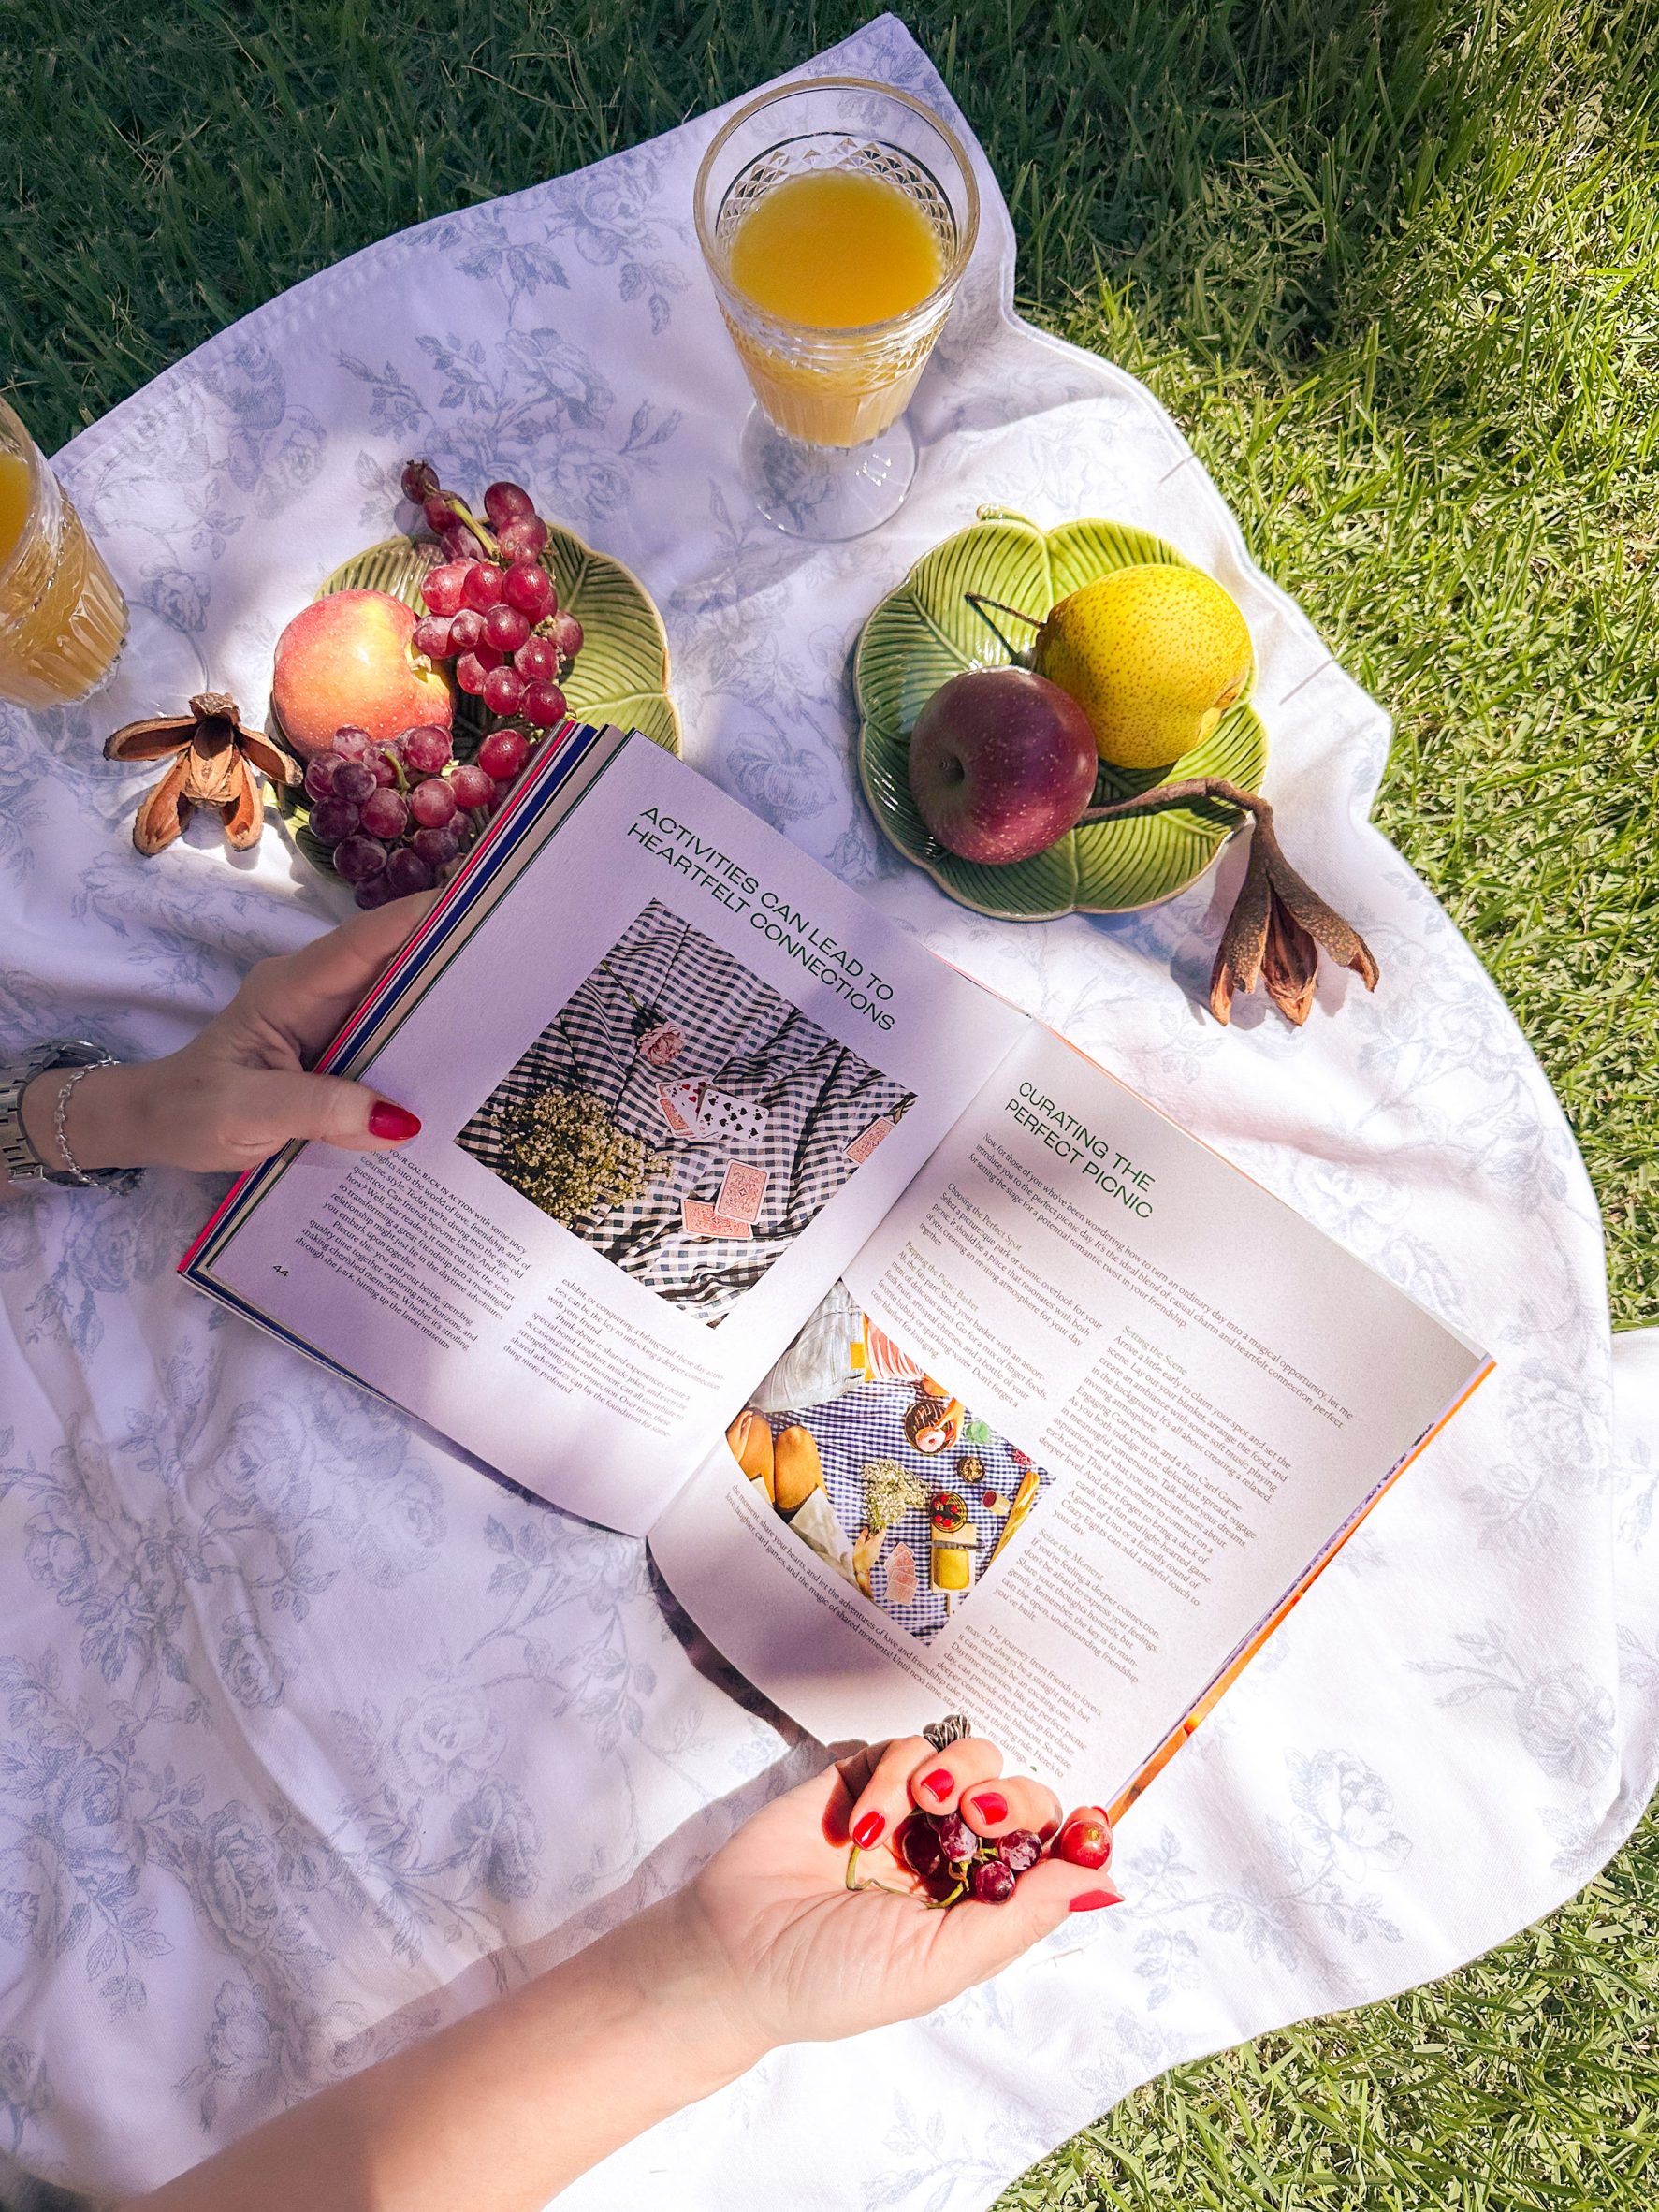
(925, 632)
(620, 675)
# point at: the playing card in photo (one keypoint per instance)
(701, 1221)
(686, 1102)
(742, 1189)
(737, 1121)
(866, 1140)
(669, 1108)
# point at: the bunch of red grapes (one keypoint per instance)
(395, 816)
(952, 1863)
(491, 608)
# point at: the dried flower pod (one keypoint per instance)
(1278, 924)
(216, 762)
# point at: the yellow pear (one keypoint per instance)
(1154, 655)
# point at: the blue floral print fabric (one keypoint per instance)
(312, 1732)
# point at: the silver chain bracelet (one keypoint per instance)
(59, 1114)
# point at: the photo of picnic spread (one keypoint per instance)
(881, 1470)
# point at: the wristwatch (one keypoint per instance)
(18, 1155)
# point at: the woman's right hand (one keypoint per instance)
(798, 1957)
(766, 1946)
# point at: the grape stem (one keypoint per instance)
(852, 1859)
(479, 528)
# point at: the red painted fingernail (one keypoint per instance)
(939, 1783)
(1092, 1899)
(868, 1829)
(395, 1122)
(991, 1805)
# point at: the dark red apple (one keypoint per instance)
(1002, 763)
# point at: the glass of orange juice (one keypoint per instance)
(62, 616)
(837, 216)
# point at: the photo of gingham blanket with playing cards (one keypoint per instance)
(717, 1119)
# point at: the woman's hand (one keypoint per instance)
(768, 1946)
(802, 1957)
(239, 1090)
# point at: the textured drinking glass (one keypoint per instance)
(62, 616)
(827, 452)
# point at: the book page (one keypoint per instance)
(1088, 1406)
(669, 1074)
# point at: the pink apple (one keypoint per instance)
(350, 658)
(1002, 763)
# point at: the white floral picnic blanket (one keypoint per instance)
(307, 1719)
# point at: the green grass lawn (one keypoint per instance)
(1394, 270)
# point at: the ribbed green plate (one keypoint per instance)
(621, 675)
(925, 632)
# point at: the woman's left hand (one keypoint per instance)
(241, 1089)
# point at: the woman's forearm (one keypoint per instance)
(509, 2105)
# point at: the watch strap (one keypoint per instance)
(19, 1155)
(23, 1162)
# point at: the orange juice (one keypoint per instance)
(835, 251)
(835, 248)
(61, 616)
(14, 501)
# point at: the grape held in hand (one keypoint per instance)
(954, 1864)
(956, 1839)
(1085, 1841)
(992, 1880)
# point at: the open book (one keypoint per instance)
(941, 1370)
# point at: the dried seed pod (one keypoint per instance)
(1278, 924)
(216, 764)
